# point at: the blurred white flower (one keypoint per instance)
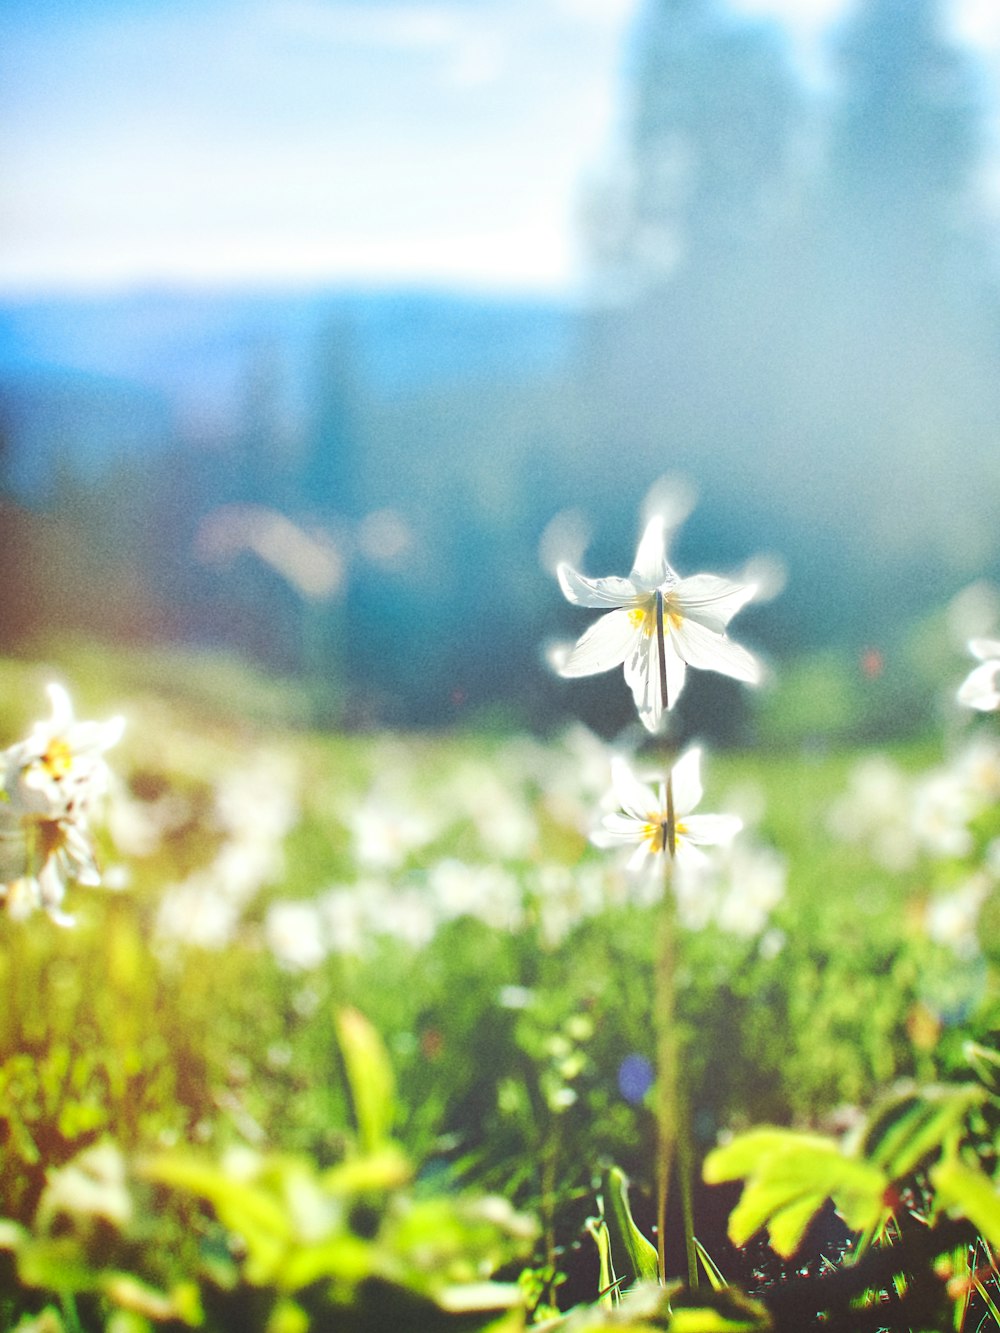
(488, 892)
(942, 807)
(661, 823)
(388, 827)
(752, 882)
(51, 783)
(93, 1185)
(409, 916)
(980, 689)
(875, 811)
(504, 823)
(345, 920)
(656, 624)
(296, 935)
(196, 913)
(951, 917)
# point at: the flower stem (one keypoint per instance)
(661, 652)
(667, 1047)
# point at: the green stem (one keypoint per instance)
(667, 1056)
(684, 1168)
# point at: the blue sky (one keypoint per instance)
(437, 141)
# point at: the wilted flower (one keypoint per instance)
(51, 782)
(980, 689)
(657, 625)
(661, 822)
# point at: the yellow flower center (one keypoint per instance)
(57, 759)
(644, 617)
(657, 832)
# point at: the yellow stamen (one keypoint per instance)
(644, 618)
(58, 758)
(657, 832)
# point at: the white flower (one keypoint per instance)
(661, 822)
(980, 689)
(657, 624)
(51, 782)
(295, 935)
(59, 770)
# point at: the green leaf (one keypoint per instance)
(243, 1206)
(789, 1176)
(370, 1078)
(966, 1191)
(342, 1258)
(56, 1265)
(631, 1253)
(382, 1171)
(917, 1125)
(715, 1277)
(598, 1229)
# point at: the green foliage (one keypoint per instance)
(283, 1157)
(295, 1239)
(789, 1176)
(633, 1258)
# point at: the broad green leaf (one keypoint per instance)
(288, 1317)
(57, 1265)
(342, 1258)
(966, 1191)
(632, 1255)
(385, 1170)
(369, 1078)
(789, 1176)
(918, 1125)
(243, 1206)
(739, 1157)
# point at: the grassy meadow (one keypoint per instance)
(356, 1025)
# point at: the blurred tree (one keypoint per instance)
(333, 480)
(677, 350)
(890, 373)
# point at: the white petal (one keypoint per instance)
(642, 674)
(685, 777)
(634, 797)
(651, 568)
(702, 648)
(616, 829)
(62, 709)
(605, 645)
(984, 648)
(595, 592)
(676, 671)
(979, 689)
(640, 856)
(710, 600)
(711, 830)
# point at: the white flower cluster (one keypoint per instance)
(905, 820)
(256, 807)
(51, 784)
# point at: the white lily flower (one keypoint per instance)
(980, 688)
(50, 784)
(657, 624)
(660, 822)
(60, 768)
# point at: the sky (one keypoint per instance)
(438, 142)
